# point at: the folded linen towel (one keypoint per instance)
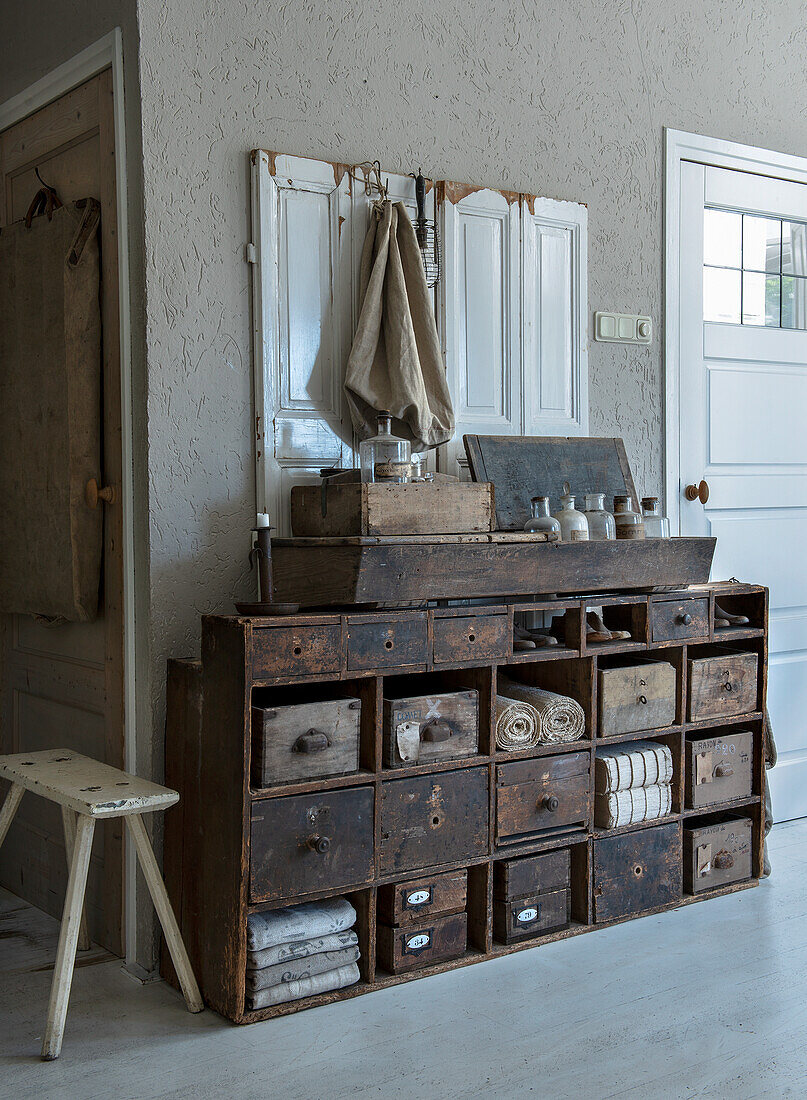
(300, 949)
(299, 922)
(561, 718)
(517, 725)
(306, 987)
(635, 764)
(283, 973)
(632, 806)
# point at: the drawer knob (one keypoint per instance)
(723, 771)
(550, 803)
(685, 619)
(723, 861)
(319, 844)
(435, 731)
(311, 741)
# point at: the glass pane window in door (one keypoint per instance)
(794, 302)
(721, 295)
(761, 299)
(722, 238)
(762, 243)
(794, 248)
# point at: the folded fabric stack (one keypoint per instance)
(558, 718)
(632, 783)
(299, 951)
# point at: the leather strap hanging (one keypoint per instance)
(45, 201)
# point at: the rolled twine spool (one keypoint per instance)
(560, 718)
(517, 725)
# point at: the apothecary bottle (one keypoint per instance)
(385, 457)
(601, 526)
(573, 524)
(628, 523)
(656, 526)
(541, 519)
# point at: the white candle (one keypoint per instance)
(263, 520)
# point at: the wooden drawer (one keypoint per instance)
(515, 878)
(718, 768)
(423, 729)
(434, 819)
(716, 853)
(533, 915)
(722, 683)
(674, 620)
(304, 741)
(388, 643)
(546, 794)
(471, 638)
(419, 945)
(309, 842)
(639, 695)
(636, 871)
(405, 903)
(285, 651)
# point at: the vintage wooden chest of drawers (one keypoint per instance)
(717, 851)
(448, 861)
(423, 729)
(718, 767)
(305, 740)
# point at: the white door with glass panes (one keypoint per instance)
(743, 417)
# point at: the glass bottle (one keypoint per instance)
(541, 519)
(656, 526)
(385, 457)
(628, 523)
(573, 524)
(601, 526)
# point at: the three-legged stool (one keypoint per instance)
(87, 790)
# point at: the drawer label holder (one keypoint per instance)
(415, 944)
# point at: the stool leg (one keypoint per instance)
(68, 937)
(69, 823)
(10, 805)
(173, 937)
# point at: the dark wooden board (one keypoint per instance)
(524, 466)
(636, 871)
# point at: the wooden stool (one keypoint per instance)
(87, 790)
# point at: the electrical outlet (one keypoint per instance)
(623, 328)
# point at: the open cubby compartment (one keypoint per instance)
(674, 655)
(674, 742)
(753, 605)
(366, 690)
(432, 684)
(623, 613)
(542, 616)
(570, 676)
(363, 901)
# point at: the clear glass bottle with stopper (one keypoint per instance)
(385, 457)
(541, 519)
(573, 524)
(656, 526)
(628, 523)
(601, 526)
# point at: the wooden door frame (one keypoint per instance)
(107, 53)
(681, 146)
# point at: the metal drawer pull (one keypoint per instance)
(435, 731)
(723, 861)
(319, 844)
(723, 771)
(311, 741)
(550, 802)
(685, 619)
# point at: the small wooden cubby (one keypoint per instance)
(210, 867)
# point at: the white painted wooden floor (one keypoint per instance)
(708, 1001)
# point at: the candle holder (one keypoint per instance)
(261, 553)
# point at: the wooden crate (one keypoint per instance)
(423, 944)
(722, 683)
(419, 508)
(421, 899)
(717, 851)
(719, 767)
(423, 729)
(305, 740)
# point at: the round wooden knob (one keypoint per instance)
(92, 494)
(319, 844)
(550, 803)
(685, 619)
(697, 492)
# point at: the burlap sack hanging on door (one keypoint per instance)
(50, 412)
(395, 362)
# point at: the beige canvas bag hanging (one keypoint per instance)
(395, 362)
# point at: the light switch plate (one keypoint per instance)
(623, 328)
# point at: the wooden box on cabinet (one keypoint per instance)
(636, 694)
(722, 682)
(717, 851)
(423, 898)
(532, 895)
(305, 740)
(541, 795)
(424, 729)
(416, 945)
(718, 767)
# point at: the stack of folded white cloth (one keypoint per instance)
(299, 951)
(632, 783)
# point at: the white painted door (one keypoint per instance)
(743, 396)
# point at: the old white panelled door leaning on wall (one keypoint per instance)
(510, 306)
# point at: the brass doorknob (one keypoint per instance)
(697, 492)
(92, 494)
